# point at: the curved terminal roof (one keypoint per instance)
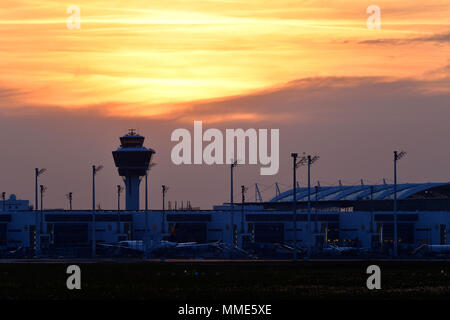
(363, 192)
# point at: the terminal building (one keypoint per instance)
(342, 216)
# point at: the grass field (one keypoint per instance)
(224, 280)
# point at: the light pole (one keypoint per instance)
(4, 200)
(295, 165)
(243, 191)
(69, 197)
(397, 156)
(147, 187)
(232, 165)
(37, 173)
(164, 190)
(95, 170)
(146, 196)
(146, 235)
(371, 210)
(146, 204)
(294, 200)
(119, 191)
(309, 160)
(42, 189)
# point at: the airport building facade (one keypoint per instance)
(337, 223)
(361, 216)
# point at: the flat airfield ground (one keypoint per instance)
(224, 280)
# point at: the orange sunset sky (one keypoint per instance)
(310, 68)
(155, 58)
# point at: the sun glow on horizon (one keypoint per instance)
(143, 58)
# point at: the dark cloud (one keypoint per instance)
(438, 38)
(315, 99)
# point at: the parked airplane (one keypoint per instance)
(336, 250)
(139, 245)
(20, 252)
(174, 249)
(433, 249)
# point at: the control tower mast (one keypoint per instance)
(132, 160)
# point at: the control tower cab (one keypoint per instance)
(132, 160)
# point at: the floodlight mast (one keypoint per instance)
(397, 156)
(316, 191)
(42, 189)
(294, 200)
(303, 161)
(4, 200)
(69, 197)
(95, 170)
(243, 191)
(371, 208)
(37, 173)
(119, 191)
(164, 190)
(152, 164)
(309, 160)
(233, 164)
(147, 187)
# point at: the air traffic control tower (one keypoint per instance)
(132, 160)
